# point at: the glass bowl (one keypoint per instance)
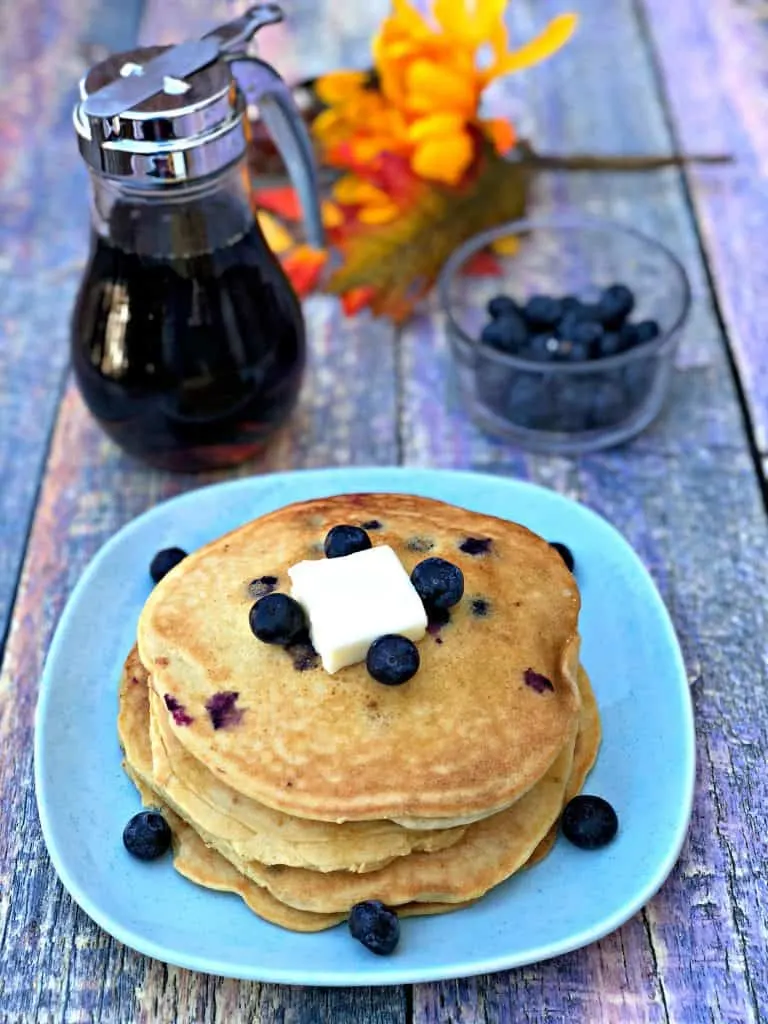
(565, 407)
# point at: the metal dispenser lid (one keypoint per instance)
(162, 115)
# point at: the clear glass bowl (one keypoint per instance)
(564, 407)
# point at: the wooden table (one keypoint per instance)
(641, 77)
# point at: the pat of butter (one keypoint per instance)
(352, 600)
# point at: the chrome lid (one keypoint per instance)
(163, 115)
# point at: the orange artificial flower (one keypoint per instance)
(431, 71)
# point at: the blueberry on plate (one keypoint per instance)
(392, 659)
(500, 305)
(278, 619)
(614, 305)
(507, 333)
(377, 927)
(164, 561)
(565, 553)
(542, 311)
(589, 822)
(345, 540)
(147, 835)
(439, 583)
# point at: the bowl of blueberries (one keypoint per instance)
(571, 348)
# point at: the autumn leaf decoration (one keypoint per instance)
(418, 168)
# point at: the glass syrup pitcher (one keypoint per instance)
(188, 341)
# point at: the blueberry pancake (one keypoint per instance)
(192, 858)
(492, 706)
(253, 831)
(488, 852)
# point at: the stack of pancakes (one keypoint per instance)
(306, 792)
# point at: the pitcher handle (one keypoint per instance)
(261, 85)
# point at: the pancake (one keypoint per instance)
(490, 850)
(195, 861)
(191, 857)
(584, 757)
(254, 831)
(464, 738)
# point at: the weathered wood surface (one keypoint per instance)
(43, 227)
(685, 494)
(713, 62)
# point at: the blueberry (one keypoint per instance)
(377, 927)
(530, 403)
(576, 352)
(645, 331)
(542, 348)
(439, 584)
(278, 619)
(500, 305)
(573, 406)
(589, 822)
(615, 305)
(581, 332)
(508, 333)
(476, 545)
(565, 553)
(638, 380)
(567, 325)
(262, 585)
(574, 312)
(628, 336)
(609, 405)
(639, 334)
(147, 835)
(345, 540)
(164, 561)
(542, 311)
(392, 659)
(588, 333)
(608, 345)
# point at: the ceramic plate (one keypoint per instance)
(569, 900)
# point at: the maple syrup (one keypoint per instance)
(189, 362)
(187, 339)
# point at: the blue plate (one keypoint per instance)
(645, 767)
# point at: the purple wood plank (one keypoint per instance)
(685, 494)
(57, 964)
(43, 230)
(713, 57)
(687, 482)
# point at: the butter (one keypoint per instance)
(351, 601)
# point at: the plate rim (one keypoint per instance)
(385, 973)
